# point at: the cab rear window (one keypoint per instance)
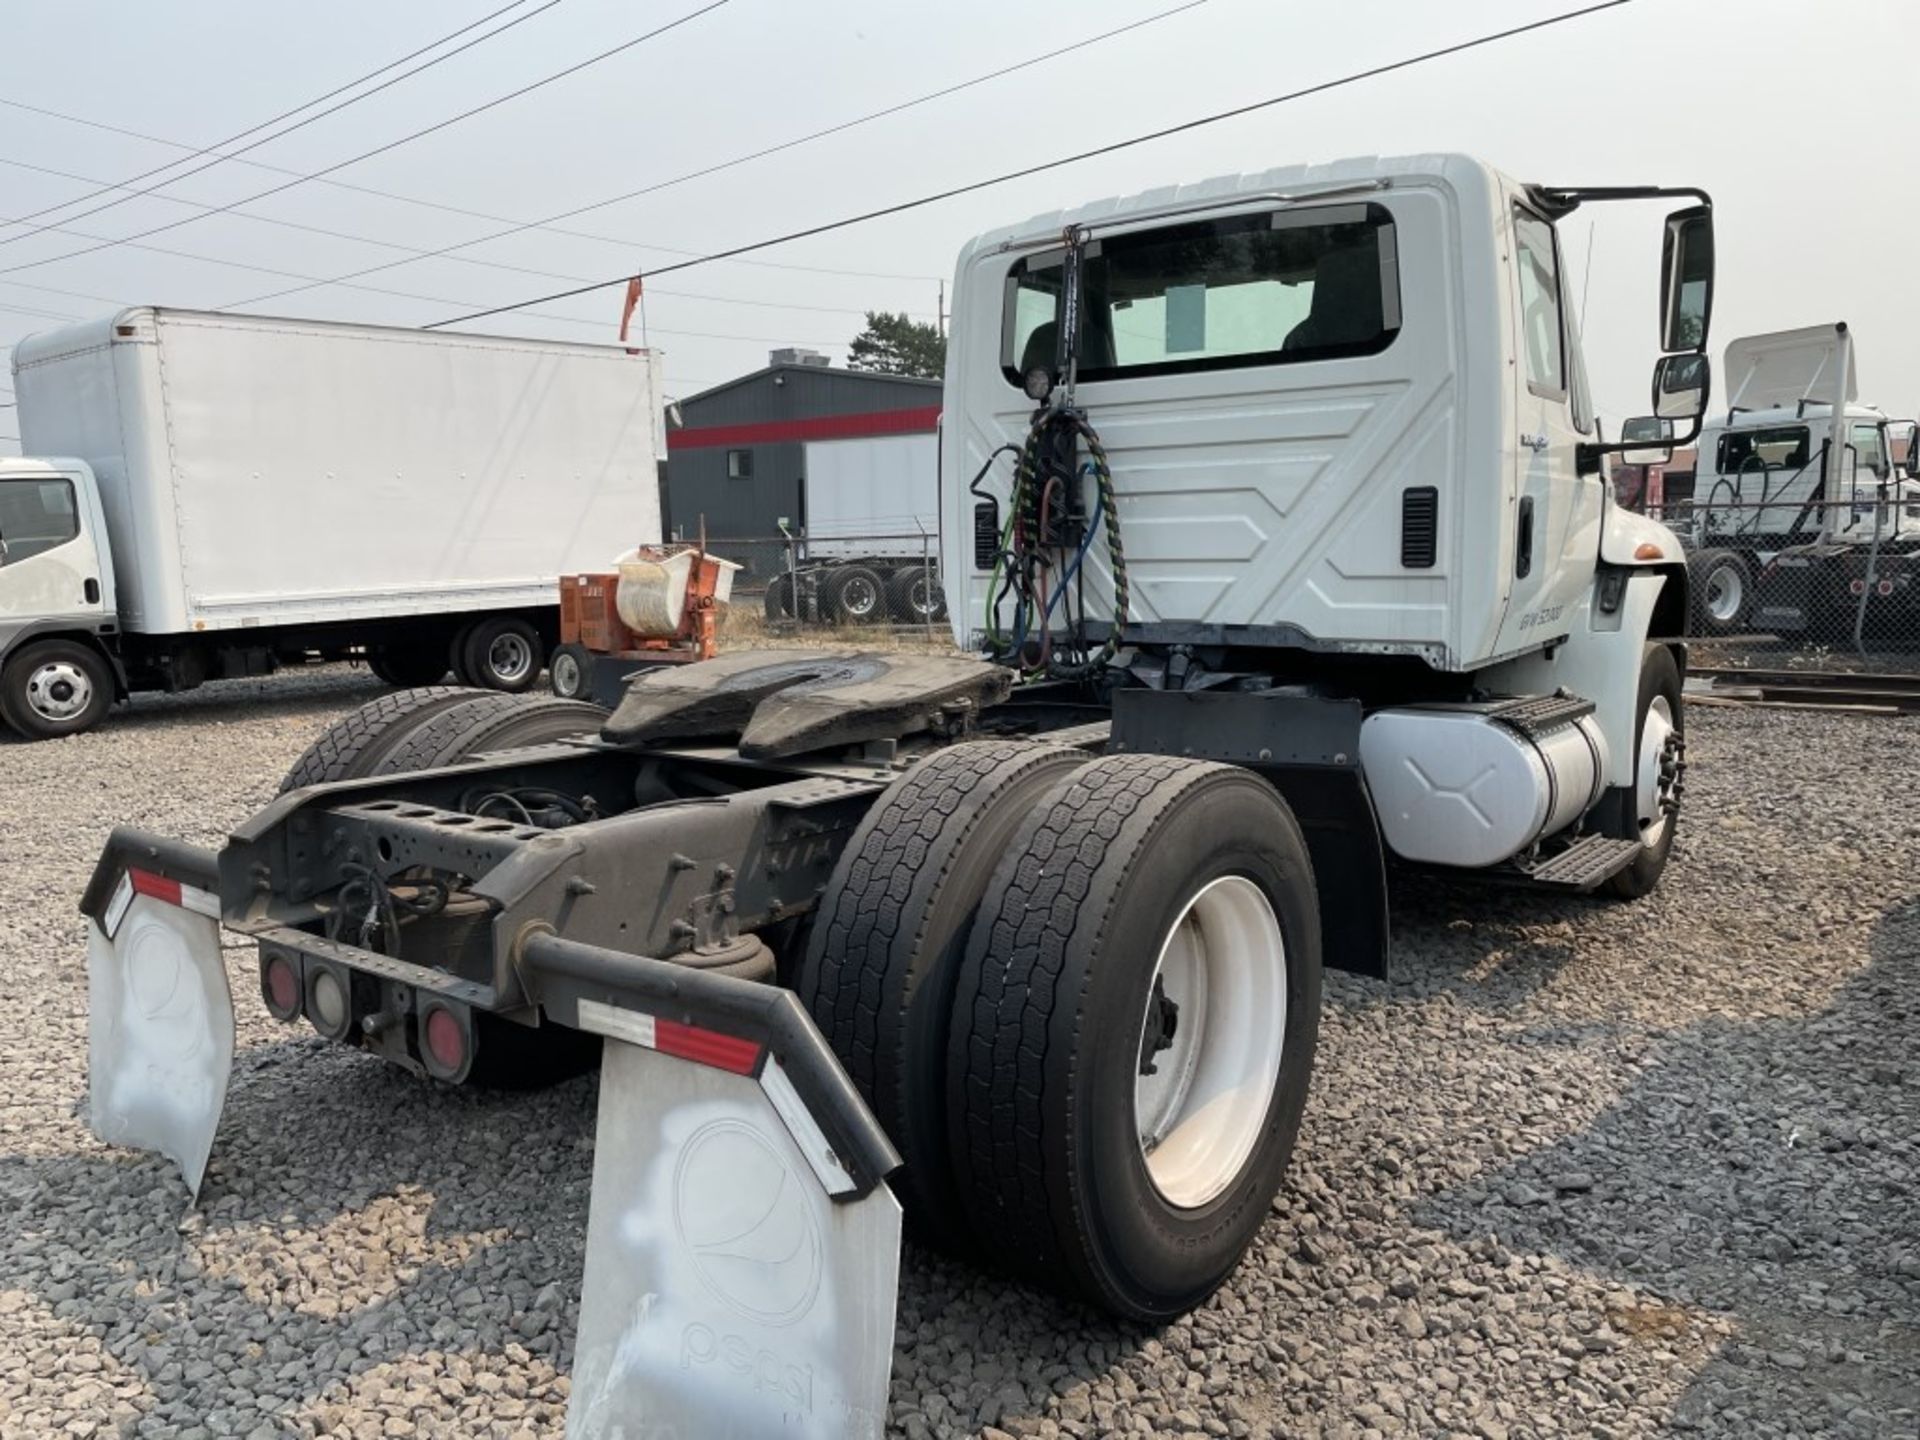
(1273, 288)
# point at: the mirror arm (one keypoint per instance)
(1561, 200)
(1588, 452)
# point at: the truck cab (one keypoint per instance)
(56, 590)
(1345, 406)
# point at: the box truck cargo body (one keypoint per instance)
(228, 492)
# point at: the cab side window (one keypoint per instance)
(1541, 329)
(35, 516)
(1869, 445)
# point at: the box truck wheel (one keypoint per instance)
(503, 652)
(352, 745)
(877, 973)
(52, 688)
(1133, 1031)
(1649, 809)
(856, 595)
(406, 665)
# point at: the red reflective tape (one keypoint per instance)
(920, 420)
(706, 1047)
(145, 882)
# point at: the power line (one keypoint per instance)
(298, 125)
(1215, 118)
(283, 115)
(601, 324)
(759, 154)
(38, 314)
(61, 228)
(470, 214)
(607, 54)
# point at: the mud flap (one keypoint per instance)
(160, 1017)
(743, 1250)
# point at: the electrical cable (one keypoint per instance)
(223, 157)
(407, 139)
(445, 208)
(599, 324)
(1353, 78)
(760, 154)
(60, 228)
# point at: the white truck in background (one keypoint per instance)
(869, 549)
(206, 496)
(1796, 464)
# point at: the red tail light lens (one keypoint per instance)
(280, 986)
(445, 1039)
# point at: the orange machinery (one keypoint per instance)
(660, 619)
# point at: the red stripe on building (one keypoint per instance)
(822, 427)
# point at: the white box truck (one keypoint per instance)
(206, 496)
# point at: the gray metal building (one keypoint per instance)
(738, 457)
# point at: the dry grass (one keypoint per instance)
(744, 626)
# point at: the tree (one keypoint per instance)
(897, 345)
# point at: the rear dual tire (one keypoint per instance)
(1127, 883)
(499, 652)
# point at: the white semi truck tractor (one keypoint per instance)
(1277, 518)
(208, 496)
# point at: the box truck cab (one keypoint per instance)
(56, 591)
(209, 496)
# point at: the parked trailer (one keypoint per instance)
(213, 495)
(1030, 945)
(870, 551)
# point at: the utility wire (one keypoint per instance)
(1491, 38)
(498, 100)
(215, 147)
(221, 159)
(38, 314)
(601, 324)
(623, 243)
(61, 228)
(760, 154)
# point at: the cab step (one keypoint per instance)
(1587, 862)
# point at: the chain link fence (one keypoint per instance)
(1789, 571)
(827, 584)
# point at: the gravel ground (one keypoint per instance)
(1583, 1170)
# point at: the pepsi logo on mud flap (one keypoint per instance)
(745, 1221)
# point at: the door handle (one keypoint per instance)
(92, 591)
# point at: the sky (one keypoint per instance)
(1797, 117)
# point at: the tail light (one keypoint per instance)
(446, 1042)
(280, 985)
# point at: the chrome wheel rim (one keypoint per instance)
(566, 675)
(860, 596)
(510, 658)
(1726, 593)
(59, 691)
(1211, 1038)
(1657, 784)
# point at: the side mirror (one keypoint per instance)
(1686, 280)
(1649, 438)
(1910, 454)
(1680, 387)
